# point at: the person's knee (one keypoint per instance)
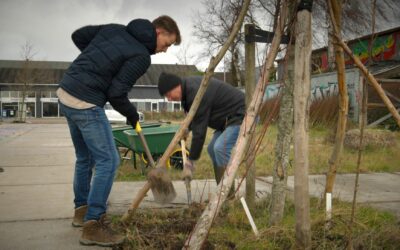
(115, 162)
(210, 149)
(221, 155)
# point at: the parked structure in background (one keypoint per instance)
(41, 99)
(384, 64)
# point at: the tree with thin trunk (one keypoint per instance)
(26, 77)
(284, 137)
(336, 7)
(302, 89)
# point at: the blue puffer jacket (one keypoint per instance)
(112, 58)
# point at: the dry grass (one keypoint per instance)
(168, 229)
(374, 159)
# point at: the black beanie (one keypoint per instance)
(167, 82)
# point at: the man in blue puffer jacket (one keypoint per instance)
(112, 58)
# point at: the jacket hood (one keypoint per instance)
(144, 31)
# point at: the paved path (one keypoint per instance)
(36, 188)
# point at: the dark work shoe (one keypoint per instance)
(99, 232)
(79, 214)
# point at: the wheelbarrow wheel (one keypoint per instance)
(175, 159)
(145, 160)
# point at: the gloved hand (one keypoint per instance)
(188, 170)
(133, 119)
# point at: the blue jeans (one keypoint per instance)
(95, 150)
(221, 145)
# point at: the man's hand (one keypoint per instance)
(132, 120)
(188, 170)
(185, 134)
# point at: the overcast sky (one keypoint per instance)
(48, 24)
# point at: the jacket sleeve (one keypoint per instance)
(82, 37)
(125, 108)
(199, 131)
(122, 83)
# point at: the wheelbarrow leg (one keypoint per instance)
(134, 159)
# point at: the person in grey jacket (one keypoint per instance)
(222, 109)
(112, 58)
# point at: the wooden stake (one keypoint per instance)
(301, 97)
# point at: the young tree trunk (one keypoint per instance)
(302, 89)
(360, 149)
(336, 8)
(250, 60)
(282, 146)
(285, 129)
(235, 62)
(193, 109)
(331, 47)
(197, 237)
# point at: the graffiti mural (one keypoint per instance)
(385, 47)
(323, 85)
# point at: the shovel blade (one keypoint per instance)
(161, 185)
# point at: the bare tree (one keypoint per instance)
(26, 77)
(214, 25)
(185, 55)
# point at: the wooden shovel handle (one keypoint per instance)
(183, 148)
(145, 146)
(135, 203)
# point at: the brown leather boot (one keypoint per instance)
(99, 232)
(79, 214)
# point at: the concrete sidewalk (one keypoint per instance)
(36, 189)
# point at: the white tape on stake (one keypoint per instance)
(328, 206)
(246, 209)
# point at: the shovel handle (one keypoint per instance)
(138, 130)
(136, 202)
(183, 148)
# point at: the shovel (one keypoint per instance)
(157, 180)
(160, 183)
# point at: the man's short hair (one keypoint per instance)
(167, 23)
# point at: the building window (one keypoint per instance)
(30, 109)
(50, 109)
(31, 94)
(163, 106)
(140, 106)
(177, 106)
(147, 106)
(49, 94)
(154, 106)
(14, 94)
(5, 94)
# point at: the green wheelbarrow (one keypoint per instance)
(158, 139)
(121, 140)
